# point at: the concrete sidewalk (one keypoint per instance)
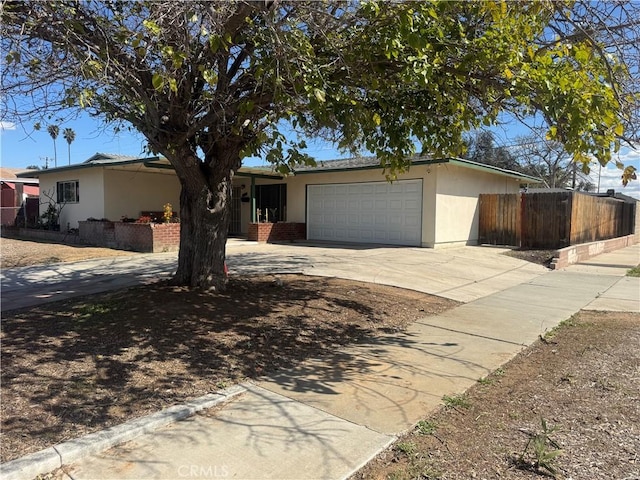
(326, 417)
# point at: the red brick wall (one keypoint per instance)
(139, 237)
(277, 232)
(134, 236)
(166, 237)
(97, 233)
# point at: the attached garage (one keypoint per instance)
(370, 212)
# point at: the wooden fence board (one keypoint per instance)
(552, 220)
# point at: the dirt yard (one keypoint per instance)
(23, 253)
(583, 380)
(74, 367)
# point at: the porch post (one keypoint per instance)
(253, 199)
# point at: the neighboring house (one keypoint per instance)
(434, 204)
(19, 196)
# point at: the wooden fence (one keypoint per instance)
(552, 219)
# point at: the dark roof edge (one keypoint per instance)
(428, 161)
(364, 167)
(79, 166)
(491, 168)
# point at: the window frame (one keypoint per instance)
(61, 191)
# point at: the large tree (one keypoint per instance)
(54, 130)
(208, 83)
(69, 135)
(482, 148)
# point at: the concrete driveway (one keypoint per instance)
(463, 274)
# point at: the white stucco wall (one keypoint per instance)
(91, 195)
(457, 190)
(130, 190)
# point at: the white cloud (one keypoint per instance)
(610, 176)
(7, 125)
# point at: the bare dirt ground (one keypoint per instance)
(70, 368)
(583, 380)
(543, 257)
(22, 253)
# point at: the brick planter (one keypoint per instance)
(97, 233)
(166, 237)
(277, 232)
(148, 237)
(139, 237)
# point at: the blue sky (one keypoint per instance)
(20, 146)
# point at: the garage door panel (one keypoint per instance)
(412, 188)
(376, 212)
(395, 204)
(367, 202)
(396, 236)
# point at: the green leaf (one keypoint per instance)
(210, 77)
(582, 54)
(214, 43)
(377, 119)
(151, 26)
(619, 130)
(320, 95)
(157, 81)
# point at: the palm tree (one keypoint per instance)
(69, 135)
(54, 130)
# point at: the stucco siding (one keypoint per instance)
(91, 195)
(456, 214)
(131, 191)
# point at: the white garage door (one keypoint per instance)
(377, 212)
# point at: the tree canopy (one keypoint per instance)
(208, 83)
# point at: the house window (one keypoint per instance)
(68, 192)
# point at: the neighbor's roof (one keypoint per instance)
(97, 160)
(12, 174)
(370, 163)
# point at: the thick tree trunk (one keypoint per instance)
(204, 221)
